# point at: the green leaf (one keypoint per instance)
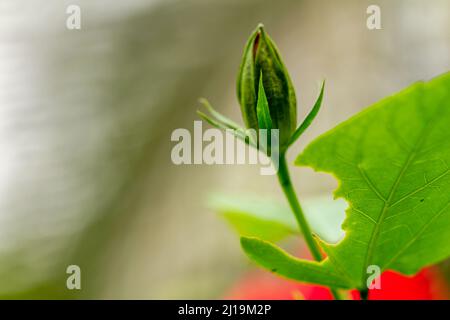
(279, 262)
(309, 118)
(267, 219)
(392, 162)
(255, 216)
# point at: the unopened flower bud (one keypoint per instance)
(262, 59)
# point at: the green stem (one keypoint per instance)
(364, 294)
(288, 189)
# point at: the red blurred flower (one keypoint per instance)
(428, 284)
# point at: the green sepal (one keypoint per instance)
(222, 122)
(309, 118)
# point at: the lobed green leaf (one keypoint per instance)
(392, 162)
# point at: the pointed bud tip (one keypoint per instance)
(260, 30)
(259, 33)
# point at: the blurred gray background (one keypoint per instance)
(86, 117)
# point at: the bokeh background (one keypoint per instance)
(86, 117)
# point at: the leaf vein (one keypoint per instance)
(415, 237)
(365, 215)
(375, 234)
(371, 184)
(421, 188)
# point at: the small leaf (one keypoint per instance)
(309, 118)
(281, 263)
(267, 219)
(255, 216)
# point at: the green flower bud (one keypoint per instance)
(261, 58)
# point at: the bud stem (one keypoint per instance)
(288, 189)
